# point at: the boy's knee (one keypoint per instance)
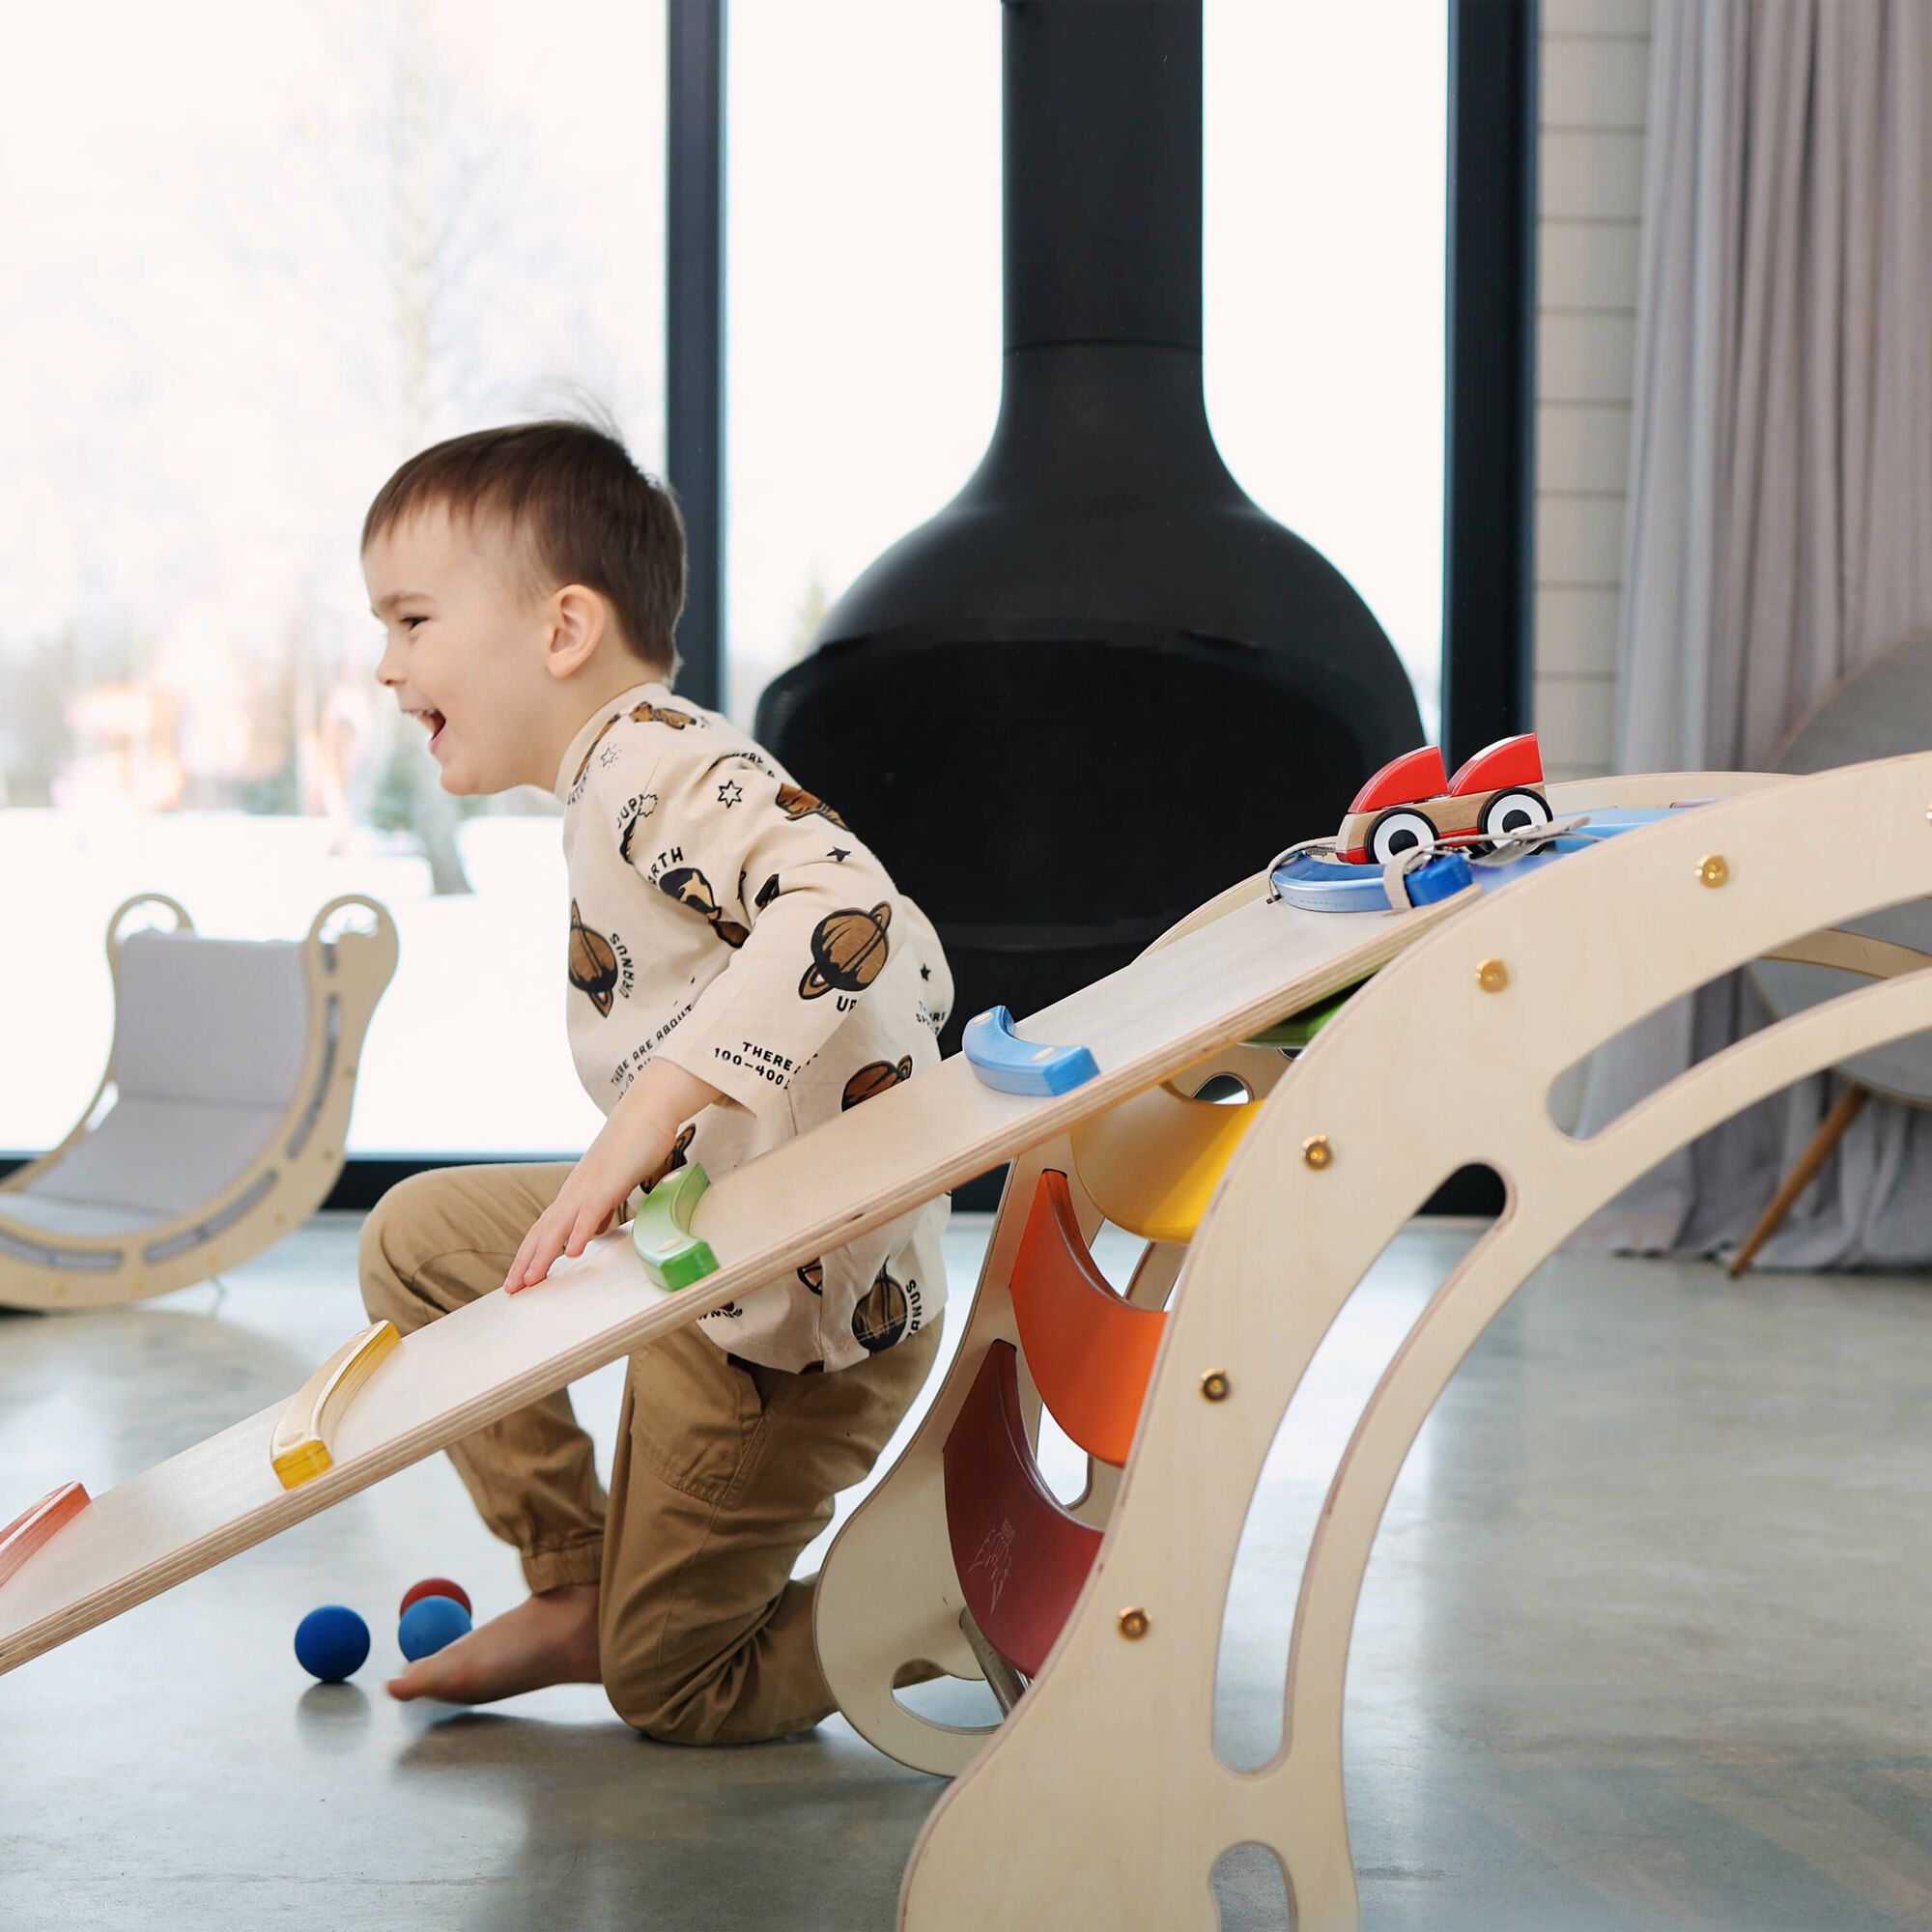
(664, 1709)
(689, 1710)
(392, 1243)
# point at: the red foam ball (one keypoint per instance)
(435, 1586)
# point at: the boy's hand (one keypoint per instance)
(586, 1205)
(637, 1141)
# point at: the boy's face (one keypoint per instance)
(464, 646)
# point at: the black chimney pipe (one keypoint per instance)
(1101, 684)
(1102, 167)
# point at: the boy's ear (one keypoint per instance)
(577, 624)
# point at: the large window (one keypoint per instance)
(1325, 187)
(863, 283)
(256, 255)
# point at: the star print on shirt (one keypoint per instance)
(607, 757)
(840, 853)
(729, 793)
(925, 972)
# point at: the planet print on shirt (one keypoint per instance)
(875, 1077)
(880, 1317)
(796, 803)
(848, 951)
(593, 963)
(688, 887)
(648, 713)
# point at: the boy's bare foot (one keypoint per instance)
(550, 1639)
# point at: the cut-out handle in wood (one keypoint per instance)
(1010, 1065)
(299, 1448)
(661, 1233)
(30, 1531)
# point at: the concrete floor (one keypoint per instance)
(1641, 1646)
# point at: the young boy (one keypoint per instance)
(740, 968)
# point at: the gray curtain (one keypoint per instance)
(1778, 532)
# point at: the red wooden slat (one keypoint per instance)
(1021, 1558)
(26, 1533)
(1091, 1353)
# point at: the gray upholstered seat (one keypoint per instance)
(227, 1054)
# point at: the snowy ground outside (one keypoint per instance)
(466, 1053)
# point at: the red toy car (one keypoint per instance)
(1412, 801)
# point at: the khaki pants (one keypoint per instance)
(725, 1471)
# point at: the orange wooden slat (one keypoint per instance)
(1091, 1353)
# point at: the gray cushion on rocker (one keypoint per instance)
(27, 1207)
(209, 1039)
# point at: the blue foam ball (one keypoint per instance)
(429, 1624)
(331, 1643)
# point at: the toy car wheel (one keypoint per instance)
(1399, 830)
(1515, 812)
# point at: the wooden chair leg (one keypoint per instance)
(1844, 1111)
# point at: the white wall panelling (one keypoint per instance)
(1594, 65)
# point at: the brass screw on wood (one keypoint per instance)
(1715, 870)
(1214, 1386)
(1317, 1153)
(1493, 975)
(1133, 1624)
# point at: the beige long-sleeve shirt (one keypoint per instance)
(729, 922)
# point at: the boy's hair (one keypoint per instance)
(585, 514)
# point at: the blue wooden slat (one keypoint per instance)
(1013, 1066)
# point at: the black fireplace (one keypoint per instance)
(1101, 684)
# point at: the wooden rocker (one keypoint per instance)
(1115, 1733)
(219, 1124)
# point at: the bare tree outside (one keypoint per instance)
(423, 239)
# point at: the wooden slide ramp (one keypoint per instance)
(1219, 982)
